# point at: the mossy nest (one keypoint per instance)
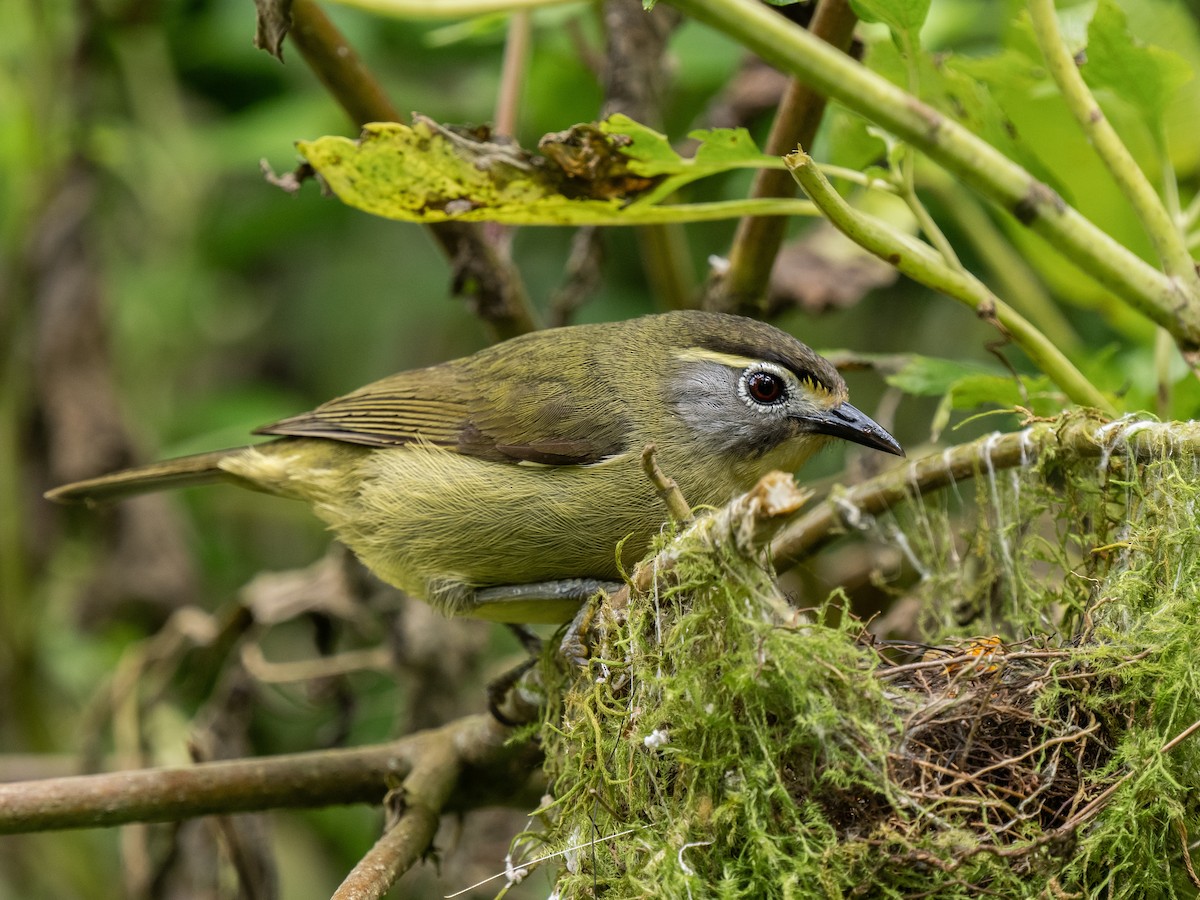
(1034, 739)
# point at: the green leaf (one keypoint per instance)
(927, 376)
(615, 173)
(1144, 76)
(725, 148)
(965, 385)
(649, 153)
(903, 17)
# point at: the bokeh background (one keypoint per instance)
(158, 296)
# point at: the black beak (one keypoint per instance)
(850, 424)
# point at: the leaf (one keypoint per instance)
(928, 376)
(615, 172)
(1144, 76)
(903, 17)
(273, 22)
(965, 385)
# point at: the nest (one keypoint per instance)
(723, 744)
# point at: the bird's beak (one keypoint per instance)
(850, 424)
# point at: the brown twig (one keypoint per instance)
(420, 801)
(1083, 434)
(480, 270)
(334, 61)
(666, 487)
(300, 780)
(742, 287)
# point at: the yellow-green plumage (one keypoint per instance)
(522, 463)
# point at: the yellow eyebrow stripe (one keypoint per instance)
(699, 354)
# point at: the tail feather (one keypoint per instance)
(203, 468)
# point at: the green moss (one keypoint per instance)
(742, 750)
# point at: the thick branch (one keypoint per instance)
(300, 780)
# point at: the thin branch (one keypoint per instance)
(480, 270)
(922, 263)
(1011, 271)
(513, 70)
(294, 781)
(336, 64)
(421, 799)
(750, 520)
(667, 488)
(1168, 242)
(757, 240)
(1080, 435)
(973, 161)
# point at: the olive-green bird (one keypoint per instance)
(501, 485)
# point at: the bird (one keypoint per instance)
(508, 485)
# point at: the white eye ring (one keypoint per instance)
(763, 386)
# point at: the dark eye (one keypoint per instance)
(764, 387)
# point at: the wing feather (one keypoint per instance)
(509, 403)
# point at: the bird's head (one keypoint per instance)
(745, 390)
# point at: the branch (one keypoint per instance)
(1076, 434)
(1167, 240)
(294, 781)
(922, 263)
(972, 160)
(757, 241)
(479, 268)
(421, 799)
(666, 487)
(748, 520)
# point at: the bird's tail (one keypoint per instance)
(203, 468)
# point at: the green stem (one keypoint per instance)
(976, 163)
(1167, 241)
(924, 264)
(446, 9)
(758, 239)
(1016, 279)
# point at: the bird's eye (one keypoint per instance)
(765, 387)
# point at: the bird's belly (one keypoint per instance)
(439, 524)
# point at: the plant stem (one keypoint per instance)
(1164, 236)
(922, 263)
(479, 268)
(294, 781)
(972, 160)
(757, 240)
(1018, 282)
(1077, 434)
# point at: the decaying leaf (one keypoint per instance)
(274, 21)
(615, 172)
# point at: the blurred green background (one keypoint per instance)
(159, 297)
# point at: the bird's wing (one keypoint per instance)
(511, 412)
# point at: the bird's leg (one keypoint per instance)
(545, 601)
(540, 601)
(504, 703)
